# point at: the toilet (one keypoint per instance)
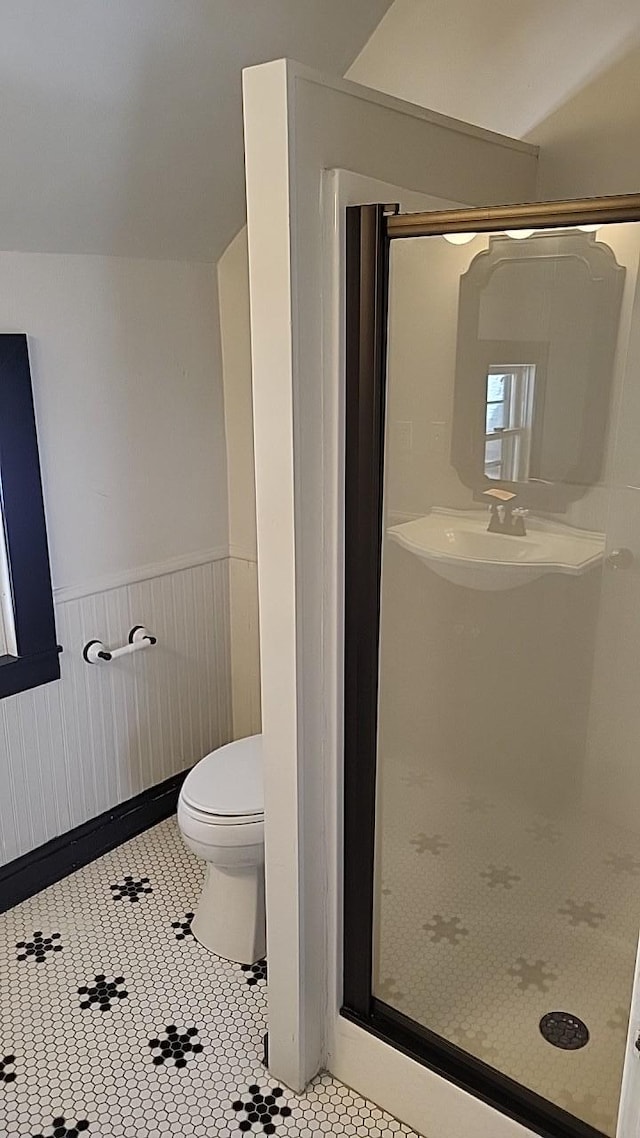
(221, 819)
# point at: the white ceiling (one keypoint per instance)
(121, 120)
(502, 64)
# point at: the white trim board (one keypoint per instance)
(427, 1102)
(297, 126)
(391, 102)
(64, 593)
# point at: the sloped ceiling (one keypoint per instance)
(121, 120)
(502, 64)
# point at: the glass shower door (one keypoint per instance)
(507, 864)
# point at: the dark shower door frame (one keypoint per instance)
(370, 230)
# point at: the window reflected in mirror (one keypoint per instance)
(509, 416)
(537, 326)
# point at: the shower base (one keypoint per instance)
(491, 917)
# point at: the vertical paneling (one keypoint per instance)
(72, 749)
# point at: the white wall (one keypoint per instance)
(126, 377)
(297, 126)
(587, 145)
(129, 406)
(235, 329)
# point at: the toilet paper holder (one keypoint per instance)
(95, 652)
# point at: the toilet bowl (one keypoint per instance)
(221, 819)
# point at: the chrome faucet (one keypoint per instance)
(505, 518)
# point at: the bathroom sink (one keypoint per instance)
(457, 546)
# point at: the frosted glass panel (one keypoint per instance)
(508, 841)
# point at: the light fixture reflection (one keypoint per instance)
(519, 234)
(459, 238)
(589, 228)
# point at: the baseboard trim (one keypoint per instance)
(61, 856)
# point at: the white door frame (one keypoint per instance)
(297, 125)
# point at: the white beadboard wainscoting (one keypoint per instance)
(70, 750)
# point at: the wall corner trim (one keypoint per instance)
(242, 553)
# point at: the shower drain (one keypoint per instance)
(564, 1030)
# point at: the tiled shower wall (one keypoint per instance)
(72, 749)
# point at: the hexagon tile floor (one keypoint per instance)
(116, 1022)
(494, 920)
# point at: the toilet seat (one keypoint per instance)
(225, 787)
(207, 817)
(218, 838)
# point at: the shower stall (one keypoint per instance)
(492, 650)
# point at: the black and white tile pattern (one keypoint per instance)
(261, 1109)
(7, 1068)
(183, 927)
(102, 993)
(38, 948)
(255, 972)
(130, 1029)
(62, 1127)
(175, 1046)
(131, 889)
(493, 917)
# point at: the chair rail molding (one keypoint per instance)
(63, 593)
